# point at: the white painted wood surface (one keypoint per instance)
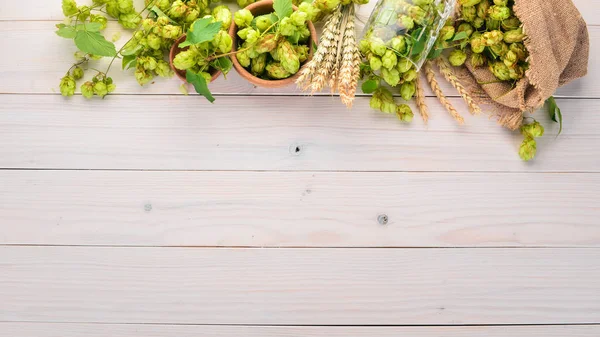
(133, 216)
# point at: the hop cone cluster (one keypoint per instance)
(494, 35)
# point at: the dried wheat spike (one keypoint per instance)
(420, 98)
(446, 70)
(348, 80)
(435, 87)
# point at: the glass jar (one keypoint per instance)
(408, 27)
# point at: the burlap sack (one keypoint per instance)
(558, 45)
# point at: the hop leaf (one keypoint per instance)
(94, 43)
(283, 8)
(200, 84)
(202, 30)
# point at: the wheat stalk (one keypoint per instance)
(435, 87)
(420, 98)
(326, 68)
(446, 70)
(348, 80)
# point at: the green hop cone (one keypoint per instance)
(223, 14)
(398, 43)
(67, 86)
(287, 27)
(492, 24)
(457, 57)
(125, 6)
(391, 77)
(192, 15)
(492, 37)
(482, 9)
(287, 56)
(163, 69)
(516, 72)
(499, 13)
(326, 5)
(535, 130)
(87, 89)
(404, 113)
(405, 22)
(171, 32)
(142, 76)
(478, 23)
(244, 3)
(258, 64)
(112, 8)
(528, 149)
(500, 70)
(477, 44)
(423, 3)
(500, 49)
(304, 33)
(513, 36)
(510, 58)
(243, 18)
(511, 23)
(252, 36)
(69, 7)
(468, 3)
(84, 13)
(185, 59)
(102, 20)
(100, 89)
(383, 101)
(153, 41)
(389, 60)
(266, 43)
(407, 90)
(298, 18)
(501, 2)
(130, 20)
(519, 50)
(263, 22)
(162, 21)
(410, 75)
(378, 46)
(276, 71)
(223, 42)
(375, 63)
(447, 33)
(469, 13)
(243, 59)
(311, 11)
(77, 73)
(148, 62)
(477, 60)
(177, 10)
(404, 65)
(466, 28)
(302, 51)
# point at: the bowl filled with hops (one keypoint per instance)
(272, 40)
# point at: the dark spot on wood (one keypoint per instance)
(383, 219)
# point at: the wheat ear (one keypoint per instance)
(446, 70)
(420, 98)
(435, 87)
(348, 80)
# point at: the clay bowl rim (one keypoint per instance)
(260, 8)
(181, 73)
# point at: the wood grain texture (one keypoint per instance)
(256, 133)
(154, 330)
(30, 71)
(300, 286)
(299, 209)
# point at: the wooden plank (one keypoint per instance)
(254, 133)
(288, 209)
(34, 72)
(154, 330)
(50, 10)
(300, 286)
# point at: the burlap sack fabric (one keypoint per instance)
(558, 45)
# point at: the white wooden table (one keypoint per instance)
(270, 213)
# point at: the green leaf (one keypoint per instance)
(160, 13)
(273, 17)
(283, 8)
(294, 38)
(460, 36)
(127, 60)
(68, 32)
(435, 53)
(94, 43)
(224, 64)
(419, 41)
(90, 26)
(555, 112)
(199, 83)
(202, 30)
(369, 87)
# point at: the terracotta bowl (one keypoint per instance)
(181, 73)
(260, 8)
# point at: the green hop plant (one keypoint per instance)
(528, 149)
(389, 60)
(457, 57)
(410, 75)
(499, 49)
(477, 60)
(302, 51)
(223, 14)
(311, 11)
(407, 90)
(535, 130)
(501, 2)
(406, 22)
(499, 13)
(258, 64)
(378, 46)
(298, 18)
(287, 56)
(185, 59)
(142, 76)
(163, 69)
(223, 42)
(482, 9)
(404, 65)
(469, 13)
(100, 89)
(511, 23)
(326, 6)
(500, 70)
(375, 62)
(243, 59)
(391, 77)
(477, 44)
(245, 3)
(243, 18)
(102, 20)
(77, 73)
(130, 20)
(404, 113)
(69, 7)
(492, 37)
(287, 27)
(67, 86)
(153, 41)
(398, 43)
(466, 28)
(87, 89)
(447, 33)
(513, 36)
(263, 22)
(468, 3)
(276, 71)
(267, 43)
